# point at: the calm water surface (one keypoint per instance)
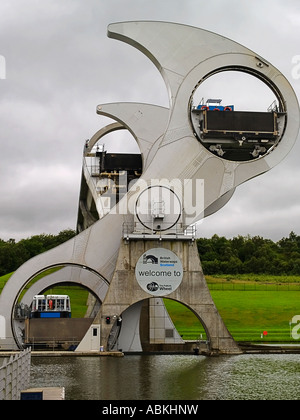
(171, 377)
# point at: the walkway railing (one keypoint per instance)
(254, 287)
(15, 375)
(187, 232)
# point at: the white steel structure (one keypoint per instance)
(186, 57)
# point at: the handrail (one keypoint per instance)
(132, 228)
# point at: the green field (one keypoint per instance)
(247, 313)
(3, 280)
(248, 304)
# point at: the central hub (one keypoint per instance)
(158, 208)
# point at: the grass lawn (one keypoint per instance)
(186, 323)
(3, 280)
(247, 314)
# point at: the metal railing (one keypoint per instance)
(52, 343)
(15, 375)
(253, 287)
(130, 228)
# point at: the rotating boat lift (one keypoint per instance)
(143, 247)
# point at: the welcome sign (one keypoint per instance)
(159, 272)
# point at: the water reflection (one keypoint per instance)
(171, 377)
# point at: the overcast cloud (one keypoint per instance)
(60, 65)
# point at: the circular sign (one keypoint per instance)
(159, 272)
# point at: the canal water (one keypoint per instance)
(171, 377)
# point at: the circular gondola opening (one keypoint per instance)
(237, 115)
(56, 307)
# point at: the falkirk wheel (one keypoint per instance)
(140, 246)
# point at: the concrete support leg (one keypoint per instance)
(193, 291)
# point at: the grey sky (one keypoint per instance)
(60, 65)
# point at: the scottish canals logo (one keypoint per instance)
(159, 272)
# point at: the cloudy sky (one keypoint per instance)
(59, 65)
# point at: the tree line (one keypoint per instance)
(13, 254)
(219, 255)
(250, 255)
